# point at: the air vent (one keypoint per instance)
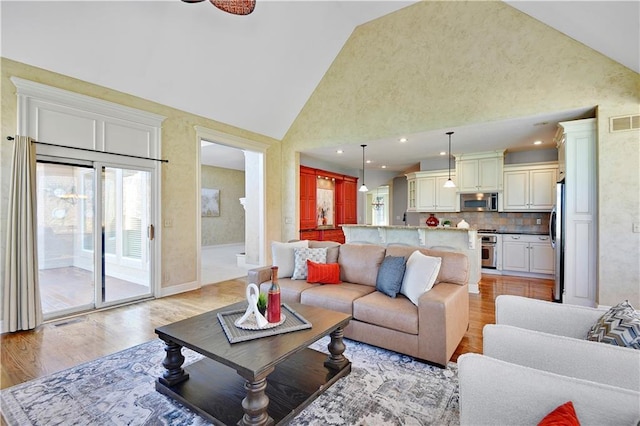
(626, 122)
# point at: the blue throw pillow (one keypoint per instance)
(390, 275)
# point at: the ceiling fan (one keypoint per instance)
(236, 7)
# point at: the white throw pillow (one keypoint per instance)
(300, 255)
(282, 256)
(420, 274)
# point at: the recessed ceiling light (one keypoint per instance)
(443, 153)
(383, 166)
(403, 139)
(339, 151)
(368, 161)
(537, 143)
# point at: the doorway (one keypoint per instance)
(252, 156)
(94, 235)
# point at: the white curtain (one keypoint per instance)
(21, 294)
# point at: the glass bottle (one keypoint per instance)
(273, 303)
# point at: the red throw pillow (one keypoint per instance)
(323, 273)
(564, 415)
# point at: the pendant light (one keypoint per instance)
(363, 188)
(449, 183)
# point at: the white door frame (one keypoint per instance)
(233, 141)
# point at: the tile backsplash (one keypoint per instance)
(503, 221)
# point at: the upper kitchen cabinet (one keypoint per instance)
(426, 192)
(480, 172)
(529, 187)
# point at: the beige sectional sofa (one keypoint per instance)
(430, 331)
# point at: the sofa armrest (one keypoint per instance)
(554, 318)
(582, 359)
(443, 318)
(259, 275)
(495, 392)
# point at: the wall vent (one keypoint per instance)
(623, 123)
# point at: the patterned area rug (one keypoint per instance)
(384, 388)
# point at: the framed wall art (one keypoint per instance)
(210, 202)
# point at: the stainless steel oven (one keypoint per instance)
(489, 251)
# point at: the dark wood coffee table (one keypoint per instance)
(230, 384)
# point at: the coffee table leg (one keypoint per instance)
(256, 402)
(336, 360)
(173, 364)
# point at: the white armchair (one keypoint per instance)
(536, 358)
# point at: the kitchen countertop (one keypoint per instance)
(522, 232)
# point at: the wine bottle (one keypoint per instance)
(273, 303)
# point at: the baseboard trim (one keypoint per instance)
(179, 288)
(474, 288)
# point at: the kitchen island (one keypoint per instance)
(466, 241)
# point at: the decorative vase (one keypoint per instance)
(432, 220)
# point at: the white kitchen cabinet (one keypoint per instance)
(529, 187)
(527, 253)
(480, 172)
(426, 192)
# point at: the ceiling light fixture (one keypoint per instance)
(537, 143)
(363, 188)
(449, 183)
(403, 139)
(235, 7)
(378, 203)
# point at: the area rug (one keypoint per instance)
(384, 388)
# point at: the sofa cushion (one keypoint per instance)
(420, 275)
(323, 273)
(619, 326)
(359, 263)
(282, 256)
(455, 265)
(290, 290)
(301, 255)
(333, 249)
(335, 297)
(390, 275)
(395, 314)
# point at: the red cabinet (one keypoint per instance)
(345, 204)
(308, 179)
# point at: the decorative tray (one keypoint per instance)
(293, 321)
(252, 324)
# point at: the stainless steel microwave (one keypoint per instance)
(481, 202)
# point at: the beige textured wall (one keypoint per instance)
(438, 65)
(229, 226)
(179, 145)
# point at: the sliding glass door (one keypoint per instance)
(94, 236)
(126, 231)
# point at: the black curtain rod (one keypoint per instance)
(11, 138)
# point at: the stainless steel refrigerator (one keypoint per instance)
(556, 234)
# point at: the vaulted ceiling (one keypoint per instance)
(254, 72)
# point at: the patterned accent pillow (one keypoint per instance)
(323, 273)
(282, 255)
(301, 255)
(619, 326)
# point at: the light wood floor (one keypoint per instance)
(62, 344)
